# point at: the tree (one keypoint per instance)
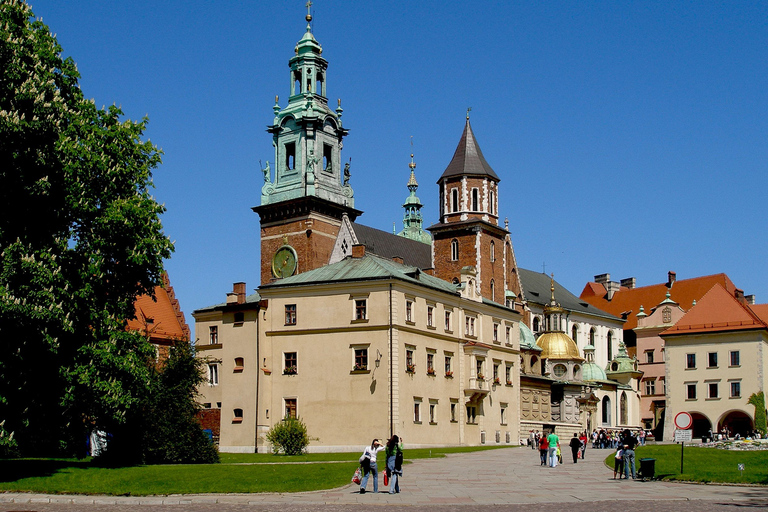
(80, 238)
(758, 400)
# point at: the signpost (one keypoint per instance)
(683, 423)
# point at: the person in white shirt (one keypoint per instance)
(368, 461)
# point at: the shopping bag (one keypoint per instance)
(386, 477)
(356, 477)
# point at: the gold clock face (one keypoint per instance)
(284, 262)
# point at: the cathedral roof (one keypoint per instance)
(558, 345)
(160, 317)
(468, 159)
(527, 338)
(388, 245)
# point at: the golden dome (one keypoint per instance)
(558, 345)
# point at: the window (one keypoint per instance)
(290, 314)
(409, 311)
(492, 205)
(239, 318)
(649, 356)
(291, 361)
(454, 250)
(327, 158)
(454, 404)
(361, 359)
(475, 200)
(479, 369)
(454, 200)
(360, 309)
(237, 416)
(536, 324)
(430, 316)
(690, 361)
(650, 387)
(503, 413)
(493, 290)
(417, 411)
(432, 413)
(495, 332)
(448, 321)
(409, 366)
(663, 385)
(290, 156)
(469, 326)
(239, 364)
(609, 343)
(448, 369)
(430, 363)
(213, 335)
(575, 333)
(735, 358)
(508, 374)
(496, 373)
(471, 413)
(592, 337)
(213, 374)
(508, 335)
(735, 389)
(712, 360)
(290, 408)
(559, 370)
(493, 252)
(690, 391)
(713, 390)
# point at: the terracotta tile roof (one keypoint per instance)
(761, 310)
(625, 300)
(167, 320)
(717, 311)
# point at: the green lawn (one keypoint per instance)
(237, 473)
(703, 464)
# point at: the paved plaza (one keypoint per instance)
(504, 480)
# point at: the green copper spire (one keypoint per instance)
(307, 134)
(412, 220)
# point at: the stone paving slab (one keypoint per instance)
(489, 478)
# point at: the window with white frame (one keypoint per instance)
(690, 391)
(213, 374)
(735, 358)
(448, 321)
(430, 316)
(713, 390)
(735, 386)
(417, 410)
(650, 387)
(409, 311)
(361, 312)
(454, 250)
(213, 335)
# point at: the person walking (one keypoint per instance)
(543, 449)
(554, 444)
(618, 463)
(394, 469)
(575, 445)
(629, 442)
(369, 460)
(584, 440)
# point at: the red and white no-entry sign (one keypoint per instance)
(683, 421)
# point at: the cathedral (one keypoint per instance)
(363, 333)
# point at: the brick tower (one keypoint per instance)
(301, 208)
(468, 233)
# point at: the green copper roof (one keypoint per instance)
(370, 267)
(251, 300)
(622, 363)
(527, 339)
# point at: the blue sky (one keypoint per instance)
(630, 137)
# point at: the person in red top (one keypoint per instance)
(543, 447)
(583, 439)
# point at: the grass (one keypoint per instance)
(703, 464)
(237, 473)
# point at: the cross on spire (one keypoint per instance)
(468, 111)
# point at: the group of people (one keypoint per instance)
(624, 460)
(549, 447)
(612, 438)
(394, 470)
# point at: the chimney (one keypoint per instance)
(397, 259)
(602, 278)
(750, 299)
(671, 278)
(358, 250)
(629, 282)
(739, 294)
(238, 290)
(611, 287)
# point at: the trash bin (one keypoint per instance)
(647, 468)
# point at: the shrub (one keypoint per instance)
(289, 436)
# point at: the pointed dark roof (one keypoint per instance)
(468, 159)
(388, 245)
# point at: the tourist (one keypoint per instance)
(583, 439)
(532, 439)
(641, 437)
(618, 463)
(575, 445)
(368, 461)
(554, 446)
(394, 469)
(543, 448)
(629, 442)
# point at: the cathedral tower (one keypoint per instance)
(468, 233)
(302, 205)
(412, 220)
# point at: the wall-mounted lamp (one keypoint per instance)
(378, 358)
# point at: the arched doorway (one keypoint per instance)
(701, 425)
(605, 411)
(737, 422)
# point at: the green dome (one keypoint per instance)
(590, 370)
(527, 339)
(622, 363)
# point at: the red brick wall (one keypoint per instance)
(210, 419)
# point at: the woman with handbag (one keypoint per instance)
(368, 462)
(394, 463)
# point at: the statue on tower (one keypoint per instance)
(347, 174)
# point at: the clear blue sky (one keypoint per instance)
(630, 137)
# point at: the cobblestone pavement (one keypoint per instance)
(499, 480)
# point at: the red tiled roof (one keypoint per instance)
(683, 291)
(167, 319)
(717, 311)
(761, 310)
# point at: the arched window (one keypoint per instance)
(623, 408)
(577, 372)
(606, 411)
(493, 251)
(492, 204)
(475, 200)
(610, 345)
(454, 200)
(454, 250)
(575, 333)
(493, 289)
(592, 336)
(536, 324)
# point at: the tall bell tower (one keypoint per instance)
(306, 193)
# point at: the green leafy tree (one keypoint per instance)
(758, 400)
(80, 238)
(289, 436)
